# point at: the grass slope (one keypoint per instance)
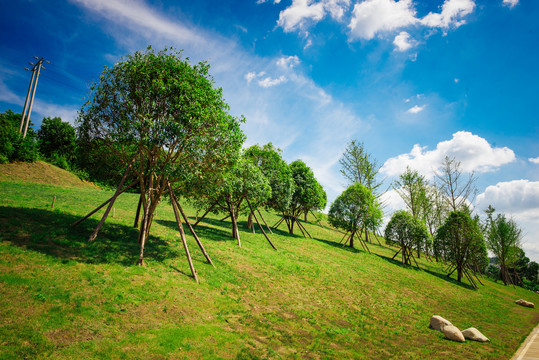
(64, 298)
(40, 172)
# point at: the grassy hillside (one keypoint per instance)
(64, 298)
(40, 172)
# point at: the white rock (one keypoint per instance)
(452, 333)
(525, 303)
(474, 334)
(437, 322)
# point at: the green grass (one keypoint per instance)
(64, 298)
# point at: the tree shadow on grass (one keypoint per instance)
(340, 246)
(438, 275)
(50, 233)
(203, 231)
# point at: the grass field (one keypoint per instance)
(64, 298)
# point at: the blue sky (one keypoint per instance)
(414, 80)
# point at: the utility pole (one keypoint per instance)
(25, 120)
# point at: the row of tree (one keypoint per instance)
(437, 222)
(155, 124)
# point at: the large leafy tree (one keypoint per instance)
(308, 195)
(355, 210)
(276, 170)
(408, 232)
(57, 138)
(462, 239)
(503, 240)
(165, 122)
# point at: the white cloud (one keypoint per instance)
(534, 160)
(474, 153)
(451, 16)
(303, 13)
(510, 3)
(518, 199)
(299, 13)
(402, 41)
(373, 16)
(416, 109)
(288, 61)
(250, 76)
(269, 82)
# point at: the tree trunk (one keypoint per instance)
(352, 239)
(459, 273)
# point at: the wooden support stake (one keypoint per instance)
(265, 223)
(184, 241)
(173, 197)
(206, 213)
(53, 200)
(260, 226)
(346, 233)
(278, 223)
(397, 253)
(135, 224)
(304, 228)
(105, 203)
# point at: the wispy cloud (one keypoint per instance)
(288, 61)
(269, 82)
(510, 3)
(416, 109)
(534, 160)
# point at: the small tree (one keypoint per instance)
(355, 210)
(242, 187)
(457, 190)
(408, 232)
(503, 239)
(461, 238)
(358, 166)
(278, 173)
(412, 188)
(308, 195)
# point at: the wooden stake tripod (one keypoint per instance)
(147, 219)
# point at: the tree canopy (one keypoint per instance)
(503, 240)
(308, 194)
(278, 173)
(407, 231)
(358, 166)
(356, 209)
(461, 238)
(57, 138)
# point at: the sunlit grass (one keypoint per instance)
(62, 297)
